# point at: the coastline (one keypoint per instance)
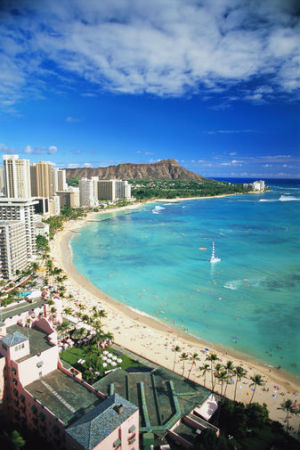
(153, 339)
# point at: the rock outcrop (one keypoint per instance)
(167, 169)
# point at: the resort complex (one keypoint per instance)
(81, 371)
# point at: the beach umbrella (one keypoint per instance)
(105, 352)
(119, 360)
(109, 361)
(114, 357)
(104, 365)
(206, 349)
(113, 364)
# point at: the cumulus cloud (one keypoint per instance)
(73, 166)
(87, 164)
(162, 47)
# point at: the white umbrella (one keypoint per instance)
(105, 352)
(119, 360)
(104, 365)
(113, 364)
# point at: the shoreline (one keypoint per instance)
(130, 326)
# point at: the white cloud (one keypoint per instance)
(5, 149)
(40, 150)
(87, 164)
(162, 47)
(70, 119)
(73, 166)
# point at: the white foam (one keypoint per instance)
(288, 198)
(141, 313)
(157, 209)
(268, 200)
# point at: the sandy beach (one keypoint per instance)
(155, 340)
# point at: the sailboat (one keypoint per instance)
(213, 258)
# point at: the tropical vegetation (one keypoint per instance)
(147, 189)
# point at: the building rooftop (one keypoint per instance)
(95, 426)
(65, 397)
(13, 338)
(38, 339)
(162, 390)
(10, 311)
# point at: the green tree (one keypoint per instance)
(256, 381)
(212, 358)
(12, 441)
(286, 406)
(193, 358)
(176, 349)
(240, 373)
(204, 369)
(183, 358)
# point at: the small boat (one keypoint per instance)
(213, 258)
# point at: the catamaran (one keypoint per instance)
(213, 258)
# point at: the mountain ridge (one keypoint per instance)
(168, 169)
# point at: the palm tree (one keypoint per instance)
(212, 357)
(204, 369)
(222, 376)
(256, 381)
(68, 311)
(183, 358)
(229, 367)
(239, 373)
(194, 357)
(287, 408)
(176, 349)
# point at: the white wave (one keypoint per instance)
(141, 313)
(169, 204)
(288, 198)
(157, 209)
(268, 200)
(233, 285)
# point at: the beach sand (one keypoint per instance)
(155, 340)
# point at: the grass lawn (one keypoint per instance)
(73, 354)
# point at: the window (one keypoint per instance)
(22, 398)
(131, 429)
(40, 364)
(117, 443)
(34, 409)
(13, 370)
(15, 381)
(15, 392)
(131, 441)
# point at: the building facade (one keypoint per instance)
(13, 251)
(86, 193)
(21, 210)
(16, 177)
(42, 179)
(40, 394)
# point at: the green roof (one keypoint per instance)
(96, 425)
(65, 397)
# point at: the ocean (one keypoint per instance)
(156, 260)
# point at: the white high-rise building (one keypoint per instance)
(16, 177)
(113, 190)
(13, 249)
(62, 180)
(23, 211)
(86, 192)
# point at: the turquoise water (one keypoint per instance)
(151, 259)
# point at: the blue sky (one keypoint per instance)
(213, 84)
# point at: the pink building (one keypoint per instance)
(40, 394)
